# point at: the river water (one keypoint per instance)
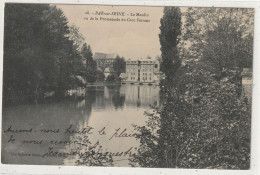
(114, 108)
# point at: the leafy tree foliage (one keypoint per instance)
(100, 76)
(208, 127)
(169, 38)
(119, 65)
(91, 67)
(222, 37)
(76, 37)
(102, 65)
(203, 121)
(111, 78)
(38, 55)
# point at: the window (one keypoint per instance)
(156, 65)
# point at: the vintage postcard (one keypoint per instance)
(127, 86)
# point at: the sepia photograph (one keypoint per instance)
(127, 86)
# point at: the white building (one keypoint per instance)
(142, 71)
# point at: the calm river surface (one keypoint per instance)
(112, 107)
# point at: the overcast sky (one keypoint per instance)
(129, 39)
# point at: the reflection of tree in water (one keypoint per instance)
(90, 98)
(104, 96)
(138, 103)
(81, 150)
(118, 99)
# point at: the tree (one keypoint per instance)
(169, 38)
(76, 37)
(66, 58)
(220, 36)
(38, 55)
(206, 127)
(111, 78)
(203, 122)
(100, 76)
(103, 64)
(91, 67)
(119, 65)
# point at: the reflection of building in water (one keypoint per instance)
(107, 97)
(141, 95)
(114, 97)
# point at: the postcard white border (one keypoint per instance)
(255, 141)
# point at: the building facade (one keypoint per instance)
(142, 71)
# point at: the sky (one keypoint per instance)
(132, 40)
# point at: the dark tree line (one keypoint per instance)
(39, 55)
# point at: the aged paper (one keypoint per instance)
(127, 86)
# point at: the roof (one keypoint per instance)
(99, 56)
(142, 61)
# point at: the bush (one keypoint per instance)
(111, 78)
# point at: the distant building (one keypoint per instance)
(132, 69)
(143, 71)
(104, 60)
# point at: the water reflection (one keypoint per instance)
(111, 107)
(103, 97)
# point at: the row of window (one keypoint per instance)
(142, 66)
(143, 70)
(130, 70)
(147, 74)
(144, 74)
(144, 78)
